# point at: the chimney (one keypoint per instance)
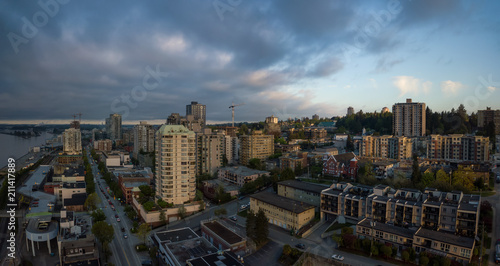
(408, 100)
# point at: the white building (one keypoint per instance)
(72, 141)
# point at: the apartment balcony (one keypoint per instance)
(431, 219)
(431, 211)
(466, 217)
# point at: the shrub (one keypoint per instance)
(405, 255)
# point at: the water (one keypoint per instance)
(15, 147)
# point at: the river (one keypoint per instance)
(15, 147)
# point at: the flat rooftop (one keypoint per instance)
(315, 188)
(223, 232)
(225, 258)
(446, 237)
(396, 230)
(285, 203)
(135, 184)
(176, 235)
(37, 177)
(243, 170)
(80, 184)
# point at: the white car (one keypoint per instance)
(337, 257)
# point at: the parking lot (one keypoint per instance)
(267, 255)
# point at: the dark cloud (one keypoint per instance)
(90, 53)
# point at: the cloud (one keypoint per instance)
(450, 87)
(327, 67)
(409, 84)
(492, 88)
(384, 64)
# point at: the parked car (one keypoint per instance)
(116, 215)
(117, 219)
(234, 218)
(123, 229)
(301, 246)
(337, 257)
(125, 235)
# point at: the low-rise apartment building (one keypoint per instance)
(282, 211)
(302, 191)
(239, 175)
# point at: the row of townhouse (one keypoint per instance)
(455, 147)
(410, 212)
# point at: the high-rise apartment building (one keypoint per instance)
(72, 141)
(199, 111)
(114, 126)
(143, 138)
(175, 164)
(408, 119)
(210, 150)
(350, 111)
(256, 145)
(484, 117)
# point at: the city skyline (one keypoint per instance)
(292, 60)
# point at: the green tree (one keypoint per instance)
(181, 212)
(255, 163)
(261, 228)
(92, 201)
(287, 174)
(424, 260)
(427, 179)
(98, 215)
(250, 224)
(405, 255)
(103, 231)
(442, 176)
(416, 176)
(386, 251)
(143, 231)
(148, 206)
(163, 217)
(243, 129)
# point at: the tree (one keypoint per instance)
(92, 201)
(103, 231)
(243, 129)
(255, 163)
(250, 224)
(442, 176)
(386, 251)
(181, 212)
(202, 205)
(163, 217)
(146, 190)
(148, 206)
(98, 215)
(424, 260)
(261, 228)
(287, 174)
(143, 231)
(427, 179)
(405, 255)
(416, 176)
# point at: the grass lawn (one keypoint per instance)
(338, 226)
(243, 213)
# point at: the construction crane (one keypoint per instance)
(232, 109)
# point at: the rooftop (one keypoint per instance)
(446, 238)
(73, 185)
(243, 170)
(223, 232)
(43, 198)
(316, 188)
(176, 235)
(216, 259)
(396, 230)
(76, 199)
(135, 184)
(174, 130)
(291, 205)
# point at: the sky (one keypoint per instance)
(287, 58)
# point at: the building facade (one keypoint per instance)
(105, 145)
(484, 117)
(175, 164)
(302, 191)
(114, 127)
(239, 175)
(72, 141)
(256, 145)
(143, 138)
(210, 151)
(282, 211)
(408, 119)
(199, 112)
(458, 147)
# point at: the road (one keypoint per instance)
(123, 249)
